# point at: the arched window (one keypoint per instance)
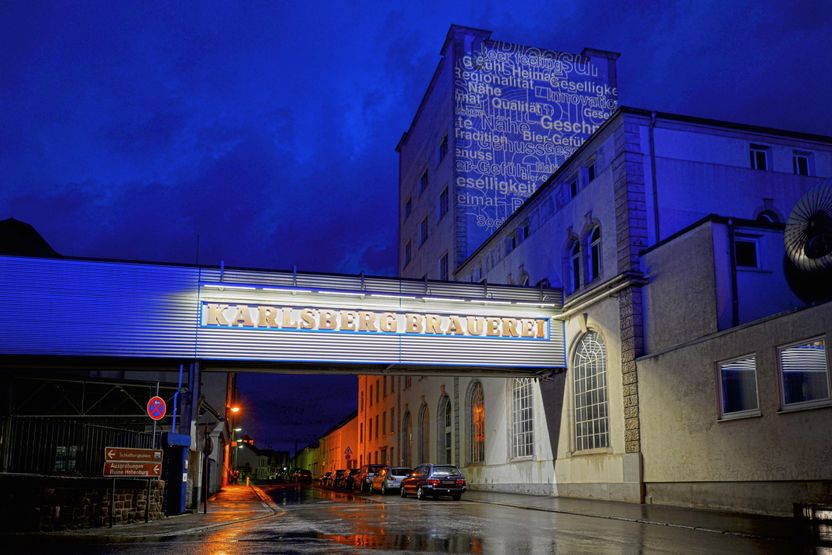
(594, 262)
(407, 440)
(424, 435)
(444, 418)
(574, 266)
(522, 429)
(476, 425)
(590, 383)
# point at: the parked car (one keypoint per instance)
(365, 476)
(324, 478)
(303, 476)
(389, 479)
(335, 479)
(348, 479)
(433, 480)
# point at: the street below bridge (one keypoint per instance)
(291, 518)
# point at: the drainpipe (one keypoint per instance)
(735, 301)
(653, 176)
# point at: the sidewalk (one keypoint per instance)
(720, 522)
(233, 504)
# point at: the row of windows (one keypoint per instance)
(803, 377)
(379, 418)
(760, 159)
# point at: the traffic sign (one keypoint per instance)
(156, 408)
(347, 453)
(127, 454)
(133, 469)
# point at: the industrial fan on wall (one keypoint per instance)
(808, 242)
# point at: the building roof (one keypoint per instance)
(21, 239)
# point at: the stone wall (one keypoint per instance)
(29, 503)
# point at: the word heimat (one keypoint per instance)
(407, 323)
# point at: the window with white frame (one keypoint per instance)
(747, 251)
(522, 425)
(738, 387)
(590, 385)
(802, 163)
(476, 434)
(443, 423)
(594, 262)
(804, 371)
(758, 155)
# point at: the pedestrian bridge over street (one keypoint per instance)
(61, 311)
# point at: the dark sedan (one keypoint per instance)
(433, 480)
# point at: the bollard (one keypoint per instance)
(248, 480)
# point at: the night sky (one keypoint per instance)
(263, 133)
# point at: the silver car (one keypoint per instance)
(389, 479)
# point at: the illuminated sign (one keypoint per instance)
(270, 317)
(519, 114)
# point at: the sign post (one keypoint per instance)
(156, 409)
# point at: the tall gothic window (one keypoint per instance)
(476, 425)
(407, 440)
(522, 436)
(443, 432)
(424, 435)
(591, 410)
(574, 266)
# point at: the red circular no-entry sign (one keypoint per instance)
(156, 408)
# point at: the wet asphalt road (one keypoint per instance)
(313, 520)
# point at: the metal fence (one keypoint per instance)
(63, 447)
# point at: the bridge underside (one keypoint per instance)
(12, 363)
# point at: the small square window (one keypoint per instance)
(801, 163)
(746, 252)
(443, 148)
(738, 387)
(408, 208)
(804, 371)
(423, 182)
(759, 157)
(443, 203)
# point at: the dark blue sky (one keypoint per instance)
(267, 129)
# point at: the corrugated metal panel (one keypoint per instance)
(91, 308)
(68, 307)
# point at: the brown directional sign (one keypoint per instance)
(134, 469)
(126, 454)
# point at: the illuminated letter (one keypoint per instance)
(215, 315)
(540, 331)
(433, 324)
(327, 321)
(510, 327)
(307, 315)
(287, 319)
(389, 322)
(267, 317)
(367, 321)
(242, 317)
(475, 326)
(414, 323)
(492, 327)
(455, 326)
(348, 320)
(527, 328)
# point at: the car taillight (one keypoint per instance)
(433, 482)
(460, 482)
